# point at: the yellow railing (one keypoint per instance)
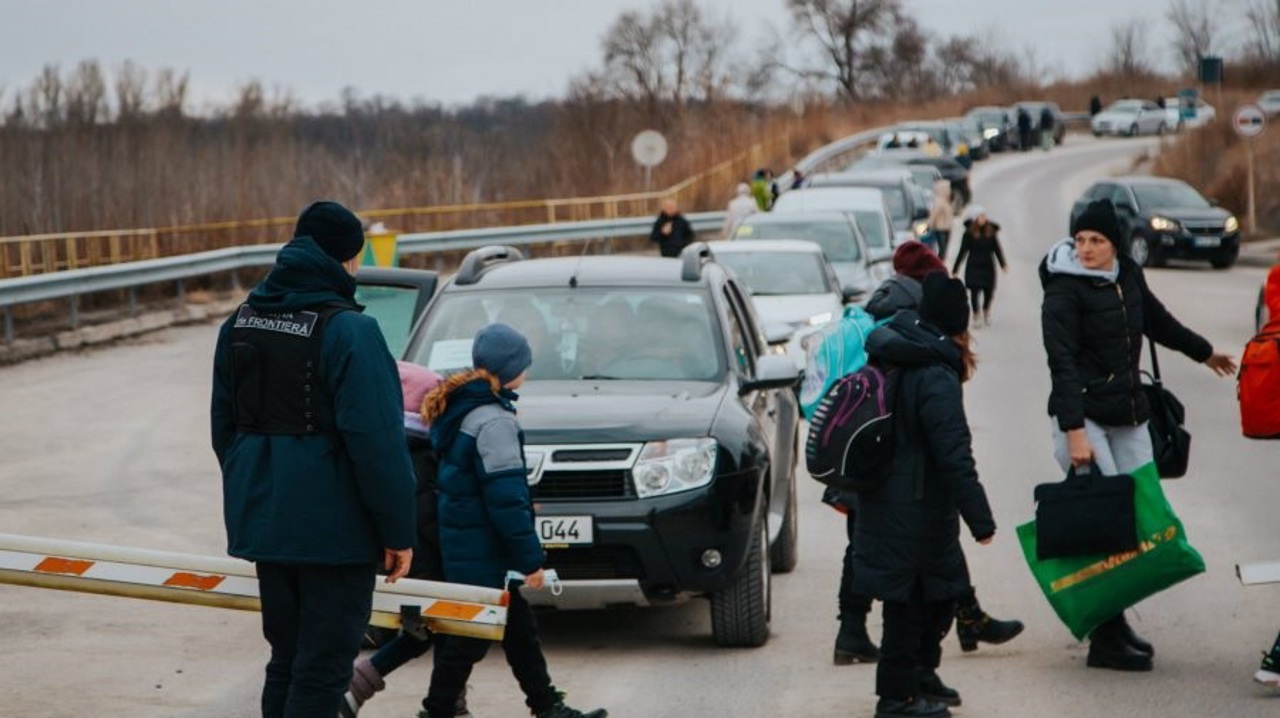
(26, 255)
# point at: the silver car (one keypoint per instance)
(1131, 118)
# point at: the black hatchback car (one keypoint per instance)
(660, 426)
(1165, 219)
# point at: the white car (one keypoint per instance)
(1269, 101)
(1131, 118)
(836, 232)
(792, 284)
(1201, 114)
(866, 205)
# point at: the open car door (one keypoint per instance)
(396, 298)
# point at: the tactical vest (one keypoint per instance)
(276, 366)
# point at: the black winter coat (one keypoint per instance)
(983, 251)
(907, 536)
(1093, 335)
(681, 234)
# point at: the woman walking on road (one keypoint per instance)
(907, 538)
(981, 245)
(942, 216)
(1097, 308)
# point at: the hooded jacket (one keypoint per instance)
(486, 512)
(895, 293)
(339, 496)
(982, 248)
(1093, 323)
(907, 535)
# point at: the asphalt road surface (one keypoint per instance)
(111, 446)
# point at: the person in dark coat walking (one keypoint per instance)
(1096, 311)
(980, 244)
(907, 541)
(912, 262)
(671, 231)
(1024, 129)
(486, 519)
(316, 481)
(1095, 105)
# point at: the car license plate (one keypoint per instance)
(1208, 241)
(565, 530)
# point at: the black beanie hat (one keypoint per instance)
(944, 304)
(1100, 216)
(333, 227)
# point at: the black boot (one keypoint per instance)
(973, 625)
(933, 689)
(911, 708)
(1140, 644)
(853, 645)
(1108, 649)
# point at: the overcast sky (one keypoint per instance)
(453, 51)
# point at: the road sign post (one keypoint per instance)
(649, 149)
(1249, 121)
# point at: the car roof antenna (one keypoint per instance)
(573, 278)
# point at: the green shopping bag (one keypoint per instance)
(1085, 591)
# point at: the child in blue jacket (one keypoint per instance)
(486, 518)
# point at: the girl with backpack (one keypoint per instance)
(907, 538)
(1096, 313)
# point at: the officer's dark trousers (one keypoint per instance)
(314, 617)
(854, 606)
(912, 643)
(456, 656)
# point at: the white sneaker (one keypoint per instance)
(1267, 678)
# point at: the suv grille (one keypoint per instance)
(1204, 228)
(584, 485)
(595, 562)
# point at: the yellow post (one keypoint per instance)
(380, 247)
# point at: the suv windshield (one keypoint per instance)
(1169, 195)
(836, 237)
(641, 333)
(776, 273)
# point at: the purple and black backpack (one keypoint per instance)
(850, 442)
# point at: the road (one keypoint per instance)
(111, 446)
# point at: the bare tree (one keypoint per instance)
(1128, 56)
(1194, 24)
(1262, 17)
(86, 93)
(130, 86)
(848, 34)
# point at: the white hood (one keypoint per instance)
(1062, 259)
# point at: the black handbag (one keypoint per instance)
(1170, 440)
(1085, 515)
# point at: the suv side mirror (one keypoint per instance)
(773, 371)
(777, 334)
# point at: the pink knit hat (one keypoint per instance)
(415, 381)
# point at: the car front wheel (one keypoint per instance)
(1140, 251)
(1223, 260)
(740, 612)
(1133, 130)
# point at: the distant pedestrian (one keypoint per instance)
(1024, 129)
(980, 245)
(316, 479)
(743, 205)
(671, 231)
(1047, 121)
(1096, 311)
(893, 143)
(1095, 105)
(486, 519)
(761, 189)
(907, 550)
(797, 178)
(942, 215)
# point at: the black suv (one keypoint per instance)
(660, 428)
(1166, 218)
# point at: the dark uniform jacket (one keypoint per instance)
(907, 538)
(342, 494)
(1093, 324)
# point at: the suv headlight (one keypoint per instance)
(668, 467)
(920, 228)
(1163, 224)
(1232, 226)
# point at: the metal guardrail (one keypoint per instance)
(131, 275)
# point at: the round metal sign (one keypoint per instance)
(1249, 120)
(649, 148)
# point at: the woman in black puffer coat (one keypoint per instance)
(907, 538)
(1096, 314)
(980, 244)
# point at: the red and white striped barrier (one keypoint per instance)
(231, 583)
